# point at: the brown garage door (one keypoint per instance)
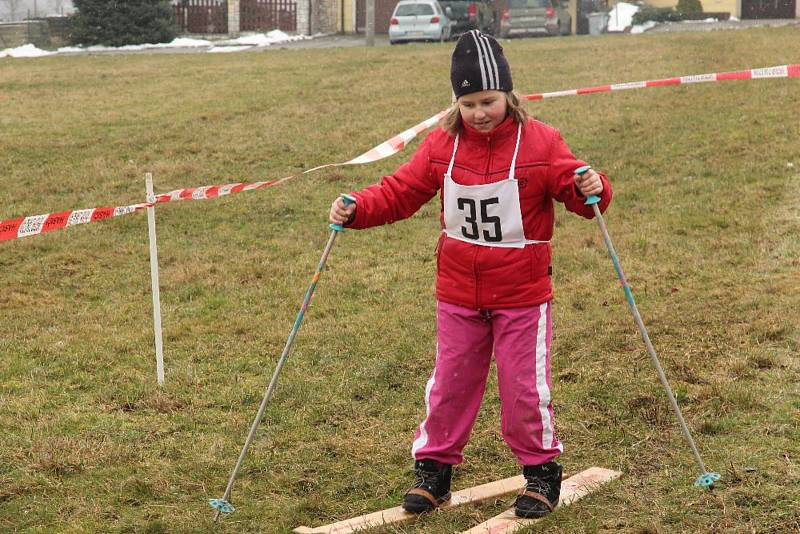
(768, 9)
(383, 12)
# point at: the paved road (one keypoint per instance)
(332, 41)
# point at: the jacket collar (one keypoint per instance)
(505, 129)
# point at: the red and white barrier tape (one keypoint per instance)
(37, 224)
(390, 147)
(213, 191)
(782, 71)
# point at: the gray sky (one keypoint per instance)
(43, 8)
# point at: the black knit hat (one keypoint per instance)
(479, 65)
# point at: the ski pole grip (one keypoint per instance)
(591, 199)
(347, 200)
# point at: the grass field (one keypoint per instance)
(705, 218)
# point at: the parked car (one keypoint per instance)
(469, 15)
(419, 20)
(533, 17)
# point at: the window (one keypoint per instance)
(520, 4)
(410, 10)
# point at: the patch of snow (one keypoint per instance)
(180, 42)
(261, 39)
(27, 50)
(277, 34)
(224, 49)
(184, 42)
(233, 45)
(641, 28)
(258, 39)
(129, 47)
(621, 16)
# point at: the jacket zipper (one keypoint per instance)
(475, 270)
(488, 161)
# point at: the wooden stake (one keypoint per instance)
(151, 227)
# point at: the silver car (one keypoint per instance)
(532, 17)
(419, 20)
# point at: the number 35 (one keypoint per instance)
(468, 205)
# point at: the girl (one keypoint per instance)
(497, 172)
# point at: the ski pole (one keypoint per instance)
(706, 478)
(222, 505)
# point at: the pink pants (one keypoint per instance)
(520, 338)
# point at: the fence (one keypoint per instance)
(211, 16)
(202, 16)
(14, 34)
(268, 15)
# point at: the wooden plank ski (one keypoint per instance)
(572, 489)
(483, 492)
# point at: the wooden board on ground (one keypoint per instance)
(572, 489)
(397, 514)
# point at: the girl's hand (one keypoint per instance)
(589, 184)
(340, 214)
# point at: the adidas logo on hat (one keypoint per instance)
(478, 64)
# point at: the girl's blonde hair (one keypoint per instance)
(451, 122)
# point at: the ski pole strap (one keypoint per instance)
(591, 199)
(347, 200)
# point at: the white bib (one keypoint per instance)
(488, 214)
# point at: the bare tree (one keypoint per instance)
(12, 7)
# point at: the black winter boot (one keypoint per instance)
(540, 495)
(432, 487)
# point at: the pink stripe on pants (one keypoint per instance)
(520, 339)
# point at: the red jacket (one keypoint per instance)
(477, 276)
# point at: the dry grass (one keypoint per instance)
(705, 220)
